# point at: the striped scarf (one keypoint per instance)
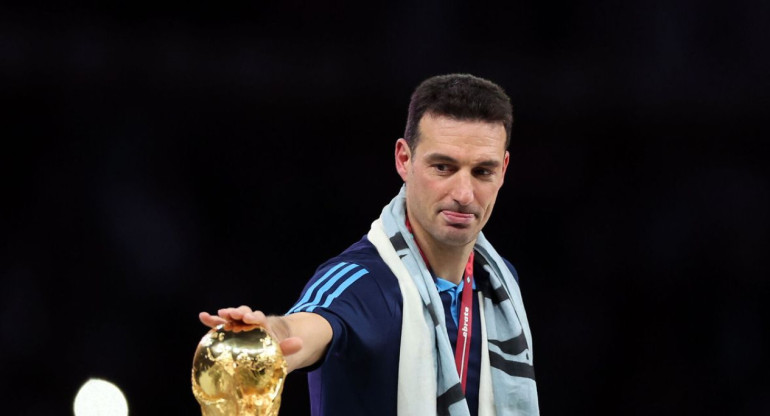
(427, 377)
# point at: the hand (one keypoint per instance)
(243, 316)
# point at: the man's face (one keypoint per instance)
(452, 178)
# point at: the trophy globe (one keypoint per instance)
(238, 372)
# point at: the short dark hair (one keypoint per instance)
(461, 97)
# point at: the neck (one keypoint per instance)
(450, 266)
(447, 262)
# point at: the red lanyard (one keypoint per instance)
(465, 321)
(465, 324)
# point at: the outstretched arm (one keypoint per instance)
(303, 336)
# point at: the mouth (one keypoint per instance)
(456, 218)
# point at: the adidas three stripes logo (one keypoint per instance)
(330, 286)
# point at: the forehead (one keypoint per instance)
(467, 135)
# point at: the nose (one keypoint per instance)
(462, 189)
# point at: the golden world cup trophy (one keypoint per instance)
(238, 372)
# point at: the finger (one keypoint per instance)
(225, 313)
(291, 345)
(237, 326)
(255, 318)
(209, 320)
(237, 313)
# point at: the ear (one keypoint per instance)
(506, 159)
(403, 158)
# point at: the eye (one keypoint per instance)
(483, 172)
(443, 168)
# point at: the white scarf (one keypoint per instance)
(427, 376)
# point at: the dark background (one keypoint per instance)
(159, 160)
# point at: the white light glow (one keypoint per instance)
(100, 398)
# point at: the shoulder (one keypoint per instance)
(357, 272)
(482, 262)
(362, 253)
(361, 257)
(512, 269)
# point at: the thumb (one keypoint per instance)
(291, 345)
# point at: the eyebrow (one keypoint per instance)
(438, 158)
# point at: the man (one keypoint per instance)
(421, 316)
